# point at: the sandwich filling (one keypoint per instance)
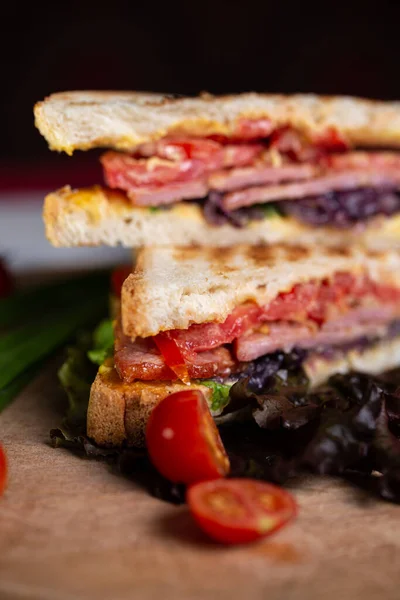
(320, 181)
(318, 316)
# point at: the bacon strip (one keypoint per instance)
(344, 180)
(168, 194)
(317, 313)
(234, 179)
(174, 169)
(141, 360)
(188, 169)
(285, 335)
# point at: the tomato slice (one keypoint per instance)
(183, 441)
(118, 277)
(205, 336)
(209, 152)
(237, 511)
(172, 355)
(3, 470)
(252, 129)
(331, 140)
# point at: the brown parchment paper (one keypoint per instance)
(72, 529)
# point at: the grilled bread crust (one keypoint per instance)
(118, 412)
(97, 216)
(172, 288)
(81, 120)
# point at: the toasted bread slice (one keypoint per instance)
(118, 412)
(82, 120)
(95, 216)
(172, 288)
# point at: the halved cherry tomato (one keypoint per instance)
(3, 470)
(237, 511)
(183, 441)
(172, 355)
(118, 277)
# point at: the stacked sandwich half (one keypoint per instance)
(268, 236)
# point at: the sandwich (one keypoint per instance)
(214, 319)
(218, 171)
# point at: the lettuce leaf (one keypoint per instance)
(76, 376)
(220, 394)
(270, 211)
(103, 342)
(350, 426)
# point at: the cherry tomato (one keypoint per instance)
(118, 277)
(236, 511)
(3, 470)
(172, 355)
(183, 440)
(6, 281)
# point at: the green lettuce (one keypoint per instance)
(220, 394)
(76, 376)
(103, 342)
(270, 211)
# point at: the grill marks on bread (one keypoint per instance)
(122, 120)
(172, 288)
(222, 260)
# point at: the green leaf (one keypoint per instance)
(76, 376)
(32, 303)
(270, 211)
(220, 394)
(36, 321)
(103, 342)
(19, 350)
(64, 437)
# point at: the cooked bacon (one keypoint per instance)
(174, 160)
(344, 180)
(234, 179)
(142, 360)
(311, 302)
(168, 194)
(307, 302)
(313, 314)
(176, 169)
(183, 169)
(364, 322)
(126, 172)
(276, 336)
(363, 160)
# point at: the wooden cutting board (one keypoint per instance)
(72, 529)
